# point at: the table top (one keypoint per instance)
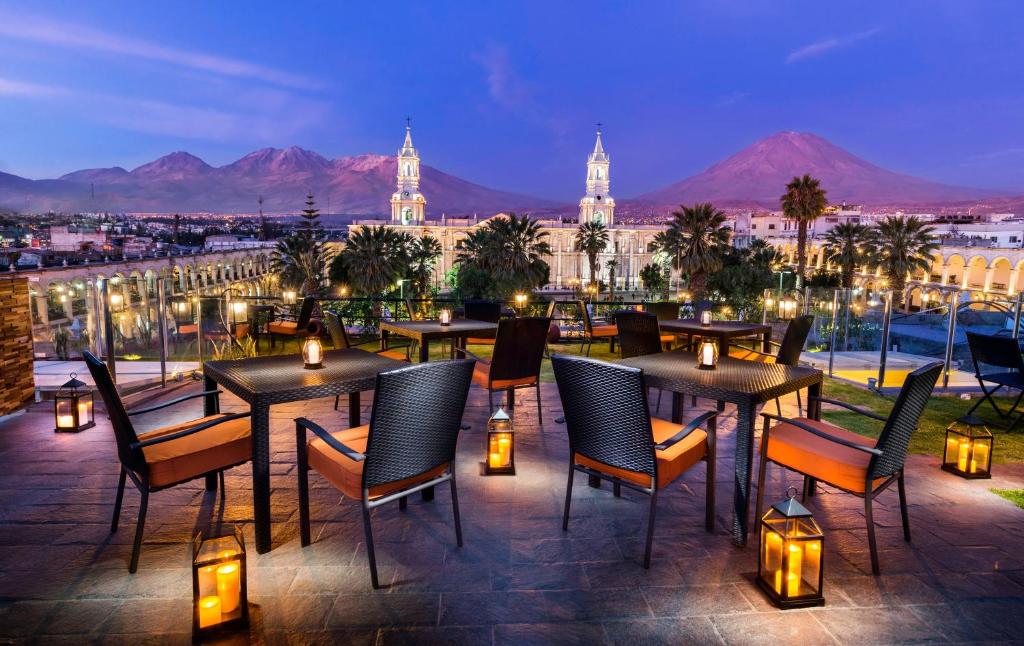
(282, 378)
(724, 329)
(421, 330)
(732, 380)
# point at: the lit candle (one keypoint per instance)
(228, 586)
(773, 552)
(504, 449)
(209, 611)
(961, 460)
(705, 317)
(446, 316)
(208, 582)
(83, 412)
(495, 459)
(952, 446)
(313, 351)
(65, 421)
(980, 456)
(707, 354)
(794, 568)
(812, 562)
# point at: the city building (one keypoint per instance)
(78, 238)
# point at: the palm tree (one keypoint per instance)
(592, 239)
(374, 259)
(901, 246)
(702, 237)
(844, 247)
(423, 254)
(507, 253)
(804, 202)
(667, 244)
(612, 265)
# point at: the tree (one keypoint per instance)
(804, 201)
(701, 238)
(901, 246)
(592, 239)
(423, 254)
(652, 278)
(374, 259)
(503, 256)
(844, 246)
(301, 258)
(743, 277)
(612, 265)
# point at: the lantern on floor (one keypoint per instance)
(312, 353)
(288, 297)
(72, 407)
(790, 568)
(968, 448)
(445, 317)
(705, 317)
(500, 445)
(219, 597)
(707, 355)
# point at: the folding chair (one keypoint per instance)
(997, 352)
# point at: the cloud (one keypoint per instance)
(10, 87)
(511, 91)
(829, 44)
(76, 36)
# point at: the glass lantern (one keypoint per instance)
(445, 317)
(968, 451)
(182, 310)
(289, 297)
(219, 595)
(312, 353)
(707, 355)
(790, 567)
(500, 445)
(520, 300)
(705, 318)
(72, 407)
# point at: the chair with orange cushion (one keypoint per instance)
(612, 436)
(296, 326)
(486, 311)
(408, 446)
(639, 334)
(515, 362)
(595, 330)
(845, 460)
(341, 340)
(170, 455)
(664, 311)
(788, 353)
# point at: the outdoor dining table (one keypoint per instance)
(722, 331)
(744, 383)
(426, 331)
(264, 381)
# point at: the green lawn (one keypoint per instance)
(1016, 496)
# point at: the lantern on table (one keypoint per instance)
(445, 317)
(968, 451)
(707, 355)
(219, 596)
(790, 567)
(288, 297)
(312, 353)
(72, 407)
(520, 301)
(500, 445)
(705, 318)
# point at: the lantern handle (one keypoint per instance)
(73, 375)
(791, 492)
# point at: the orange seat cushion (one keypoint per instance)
(188, 328)
(476, 341)
(283, 327)
(672, 462)
(668, 338)
(819, 458)
(347, 474)
(604, 330)
(394, 354)
(750, 355)
(189, 457)
(482, 373)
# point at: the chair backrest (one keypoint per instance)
(124, 431)
(793, 340)
(606, 413)
(903, 420)
(664, 310)
(996, 351)
(588, 324)
(519, 347)
(416, 418)
(410, 309)
(306, 312)
(550, 311)
(339, 336)
(486, 311)
(638, 333)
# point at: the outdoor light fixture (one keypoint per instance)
(219, 596)
(445, 317)
(72, 408)
(500, 457)
(707, 355)
(182, 309)
(520, 300)
(790, 568)
(968, 448)
(312, 353)
(116, 300)
(787, 308)
(288, 297)
(239, 311)
(705, 317)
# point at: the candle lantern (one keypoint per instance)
(446, 317)
(239, 311)
(707, 355)
(312, 353)
(968, 448)
(500, 445)
(72, 407)
(182, 310)
(219, 597)
(705, 317)
(288, 297)
(790, 568)
(520, 301)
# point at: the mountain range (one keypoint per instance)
(754, 177)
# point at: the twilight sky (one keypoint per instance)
(507, 94)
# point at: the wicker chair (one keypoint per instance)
(638, 335)
(515, 362)
(594, 330)
(486, 311)
(997, 352)
(853, 463)
(170, 455)
(288, 326)
(340, 339)
(612, 436)
(665, 311)
(408, 446)
(788, 351)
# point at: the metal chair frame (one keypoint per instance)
(1000, 352)
(588, 330)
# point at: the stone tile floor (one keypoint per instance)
(518, 579)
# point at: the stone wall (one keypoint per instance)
(16, 384)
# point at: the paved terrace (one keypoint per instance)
(519, 579)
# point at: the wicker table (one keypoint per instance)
(723, 331)
(744, 383)
(426, 331)
(264, 381)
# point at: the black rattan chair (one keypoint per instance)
(298, 326)
(486, 311)
(788, 353)
(612, 436)
(170, 455)
(340, 339)
(639, 335)
(853, 463)
(515, 362)
(997, 352)
(594, 330)
(408, 446)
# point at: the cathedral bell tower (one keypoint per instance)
(597, 205)
(407, 203)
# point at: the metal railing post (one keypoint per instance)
(832, 341)
(953, 307)
(161, 315)
(886, 320)
(764, 306)
(807, 300)
(108, 327)
(199, 327)
(1016, 314)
